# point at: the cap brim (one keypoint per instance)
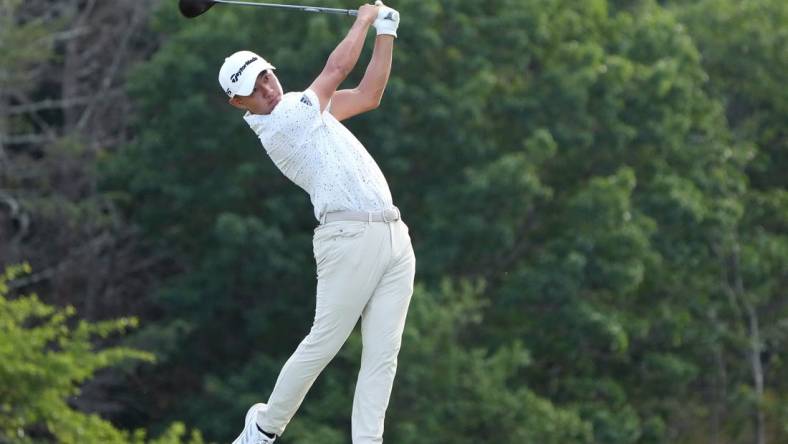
(249, 77)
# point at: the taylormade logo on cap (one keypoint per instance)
(234, 77)
(239, 72)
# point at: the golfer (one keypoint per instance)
(365, 262)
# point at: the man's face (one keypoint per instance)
(265, 96)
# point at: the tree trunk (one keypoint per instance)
(720, 395)
(756, 365)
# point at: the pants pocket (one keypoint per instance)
(330, 238)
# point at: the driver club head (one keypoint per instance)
(193, 8)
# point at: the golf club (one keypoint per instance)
(193, 8)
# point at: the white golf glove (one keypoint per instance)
(387, 21)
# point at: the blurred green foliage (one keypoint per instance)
(595, 189)
(590, 162)
(45, 355)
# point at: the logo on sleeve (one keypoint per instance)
(305, 100)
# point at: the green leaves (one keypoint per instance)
(22, 45)
(45, 355)
(600, 165)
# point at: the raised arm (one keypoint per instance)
(344, 57)
(369, 92)
(366, 96)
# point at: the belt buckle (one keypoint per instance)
(386, 213)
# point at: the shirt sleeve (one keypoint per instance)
(289, 126)
(310, 99)
(295, 116)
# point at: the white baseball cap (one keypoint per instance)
(239, 72)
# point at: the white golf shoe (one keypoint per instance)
(252, 433)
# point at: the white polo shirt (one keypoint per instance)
(321, 156)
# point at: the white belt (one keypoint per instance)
(389, 215)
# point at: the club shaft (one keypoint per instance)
(300, 8)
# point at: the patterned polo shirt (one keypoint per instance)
(315, 151)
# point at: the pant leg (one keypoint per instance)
(382, 324)
(350, 263)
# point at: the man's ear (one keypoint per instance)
(236, 102)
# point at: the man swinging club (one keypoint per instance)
(365, 261)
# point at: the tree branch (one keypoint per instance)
(54, 104)
(24, 139)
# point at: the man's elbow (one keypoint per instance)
(373, 99)
(374, 103)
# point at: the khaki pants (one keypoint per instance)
(366, 270)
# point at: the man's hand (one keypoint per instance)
(368, 13)
(387, 20)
